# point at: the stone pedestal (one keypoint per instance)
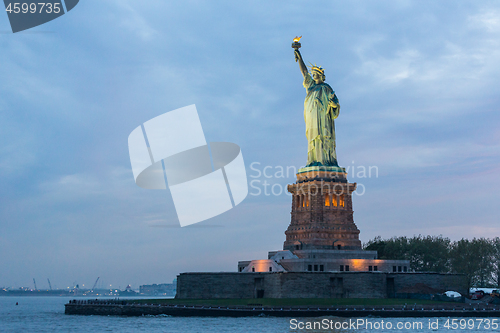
(322, 215)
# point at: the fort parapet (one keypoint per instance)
(310, 284)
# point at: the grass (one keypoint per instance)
(286, 301)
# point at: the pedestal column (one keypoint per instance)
(322, 215)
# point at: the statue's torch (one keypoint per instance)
(296, 45)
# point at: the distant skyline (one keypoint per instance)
(417, 83)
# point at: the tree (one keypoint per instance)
(462, 260)
(425, 253)
(474, 259)
(478, 259)
(394, 248)
(429, 253)
(485, 251)
(376, 244)
(496, 261)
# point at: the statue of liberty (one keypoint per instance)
(321, 107)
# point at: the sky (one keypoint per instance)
(418, 84)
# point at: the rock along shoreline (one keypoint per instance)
(124, 308)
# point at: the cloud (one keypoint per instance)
(487, 19)
(130, 19)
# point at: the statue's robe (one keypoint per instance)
(320, 126)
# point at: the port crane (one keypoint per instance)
(50, 286)
(95, 284)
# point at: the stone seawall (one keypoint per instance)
(130, 309)
(310, 284)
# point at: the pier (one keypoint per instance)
(129, 308)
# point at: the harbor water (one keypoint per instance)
(46, 314)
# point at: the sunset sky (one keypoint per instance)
(418, 84)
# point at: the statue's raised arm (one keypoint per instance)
(298, 58)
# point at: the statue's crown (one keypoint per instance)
(317, 69)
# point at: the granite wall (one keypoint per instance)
(309, 284)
